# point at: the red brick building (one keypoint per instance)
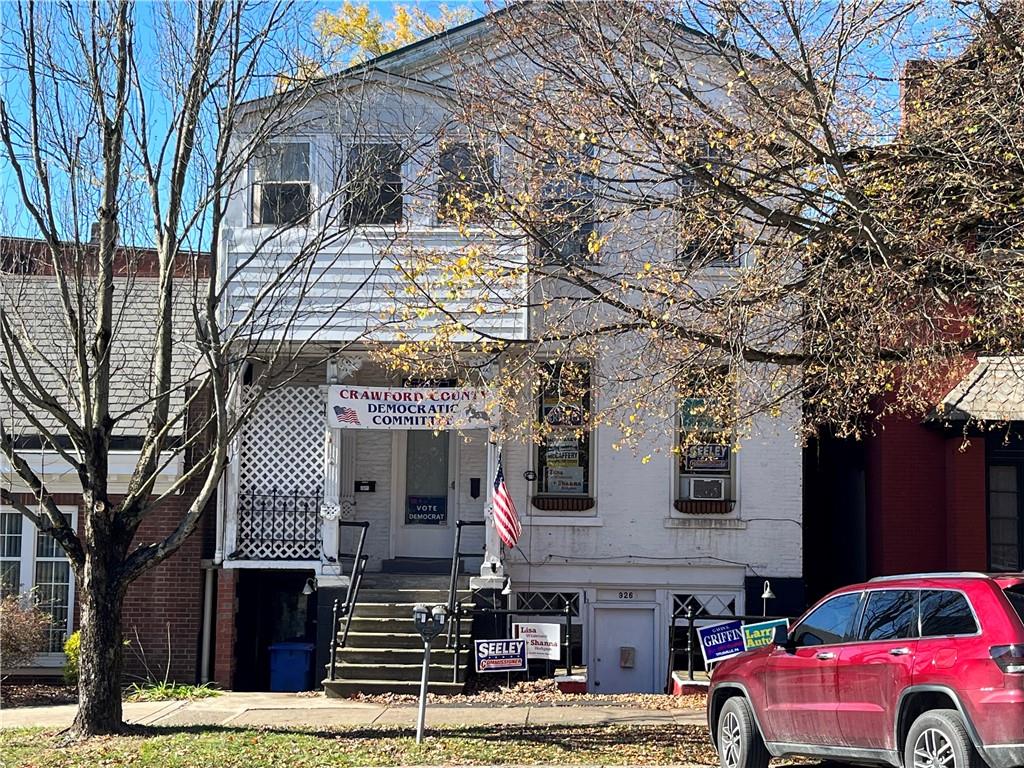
(163, 614)
(940, 493)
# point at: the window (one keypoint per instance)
(31, 562)
(373, 184)
(563, 456)
(548, 601)
(1015, 595)
(465, 176)
(281, 194)
(829, 623)
(566, 223)
(1004, 519)
(944, 612)
(890, 614)
(706, 462)
(713, 243)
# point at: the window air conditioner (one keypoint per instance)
(707, 488)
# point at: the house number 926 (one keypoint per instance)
(626, 595)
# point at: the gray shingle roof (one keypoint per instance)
(992, 391)
(33, 307)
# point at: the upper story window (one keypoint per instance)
(281, 194)
(373, 184)
(706, 479)
(714, 242)
(567, 224)
(465, 177)
(564, 452)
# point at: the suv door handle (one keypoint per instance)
(899, 651)
(825, 655)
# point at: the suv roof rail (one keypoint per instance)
(936, 575)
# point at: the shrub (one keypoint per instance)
(22, 631)
(71, 659)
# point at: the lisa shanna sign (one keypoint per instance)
(434, 408)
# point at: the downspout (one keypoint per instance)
(204, 662)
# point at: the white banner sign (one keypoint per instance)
(351, 407)
(543, 641)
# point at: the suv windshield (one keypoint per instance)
(1015, 595)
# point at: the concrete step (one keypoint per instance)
(385, 608)
(440, 673)
(343, 688)
(394, 624)
(386, 640)
(389, 656)
(409, 594)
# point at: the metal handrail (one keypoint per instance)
(692, 617)
(347, 608)
(453, 580)
(473, 609)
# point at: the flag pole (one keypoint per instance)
(492, 571)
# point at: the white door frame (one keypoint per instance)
(399, 453)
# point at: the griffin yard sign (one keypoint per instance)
(722, 641)
(543, 641)
(500, 655)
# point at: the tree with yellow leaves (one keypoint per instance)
(359, 31)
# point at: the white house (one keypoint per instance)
(626, 543)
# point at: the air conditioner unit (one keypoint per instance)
(707, 488)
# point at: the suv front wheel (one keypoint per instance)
(739, 743)
(938, 739)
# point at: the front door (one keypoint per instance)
(424, 515)
(623, 650)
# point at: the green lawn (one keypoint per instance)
(220, 747)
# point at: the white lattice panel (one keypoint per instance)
(280, 476)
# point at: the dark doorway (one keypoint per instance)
(835, 514)
(271, 609)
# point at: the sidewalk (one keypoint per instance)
(286, 710)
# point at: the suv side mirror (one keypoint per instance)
(782, 638)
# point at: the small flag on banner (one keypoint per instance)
(346, 415)
(506, 519)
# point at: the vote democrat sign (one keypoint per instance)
(500, 655)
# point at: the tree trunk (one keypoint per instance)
(100, 651)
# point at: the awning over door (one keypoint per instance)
(992, 391)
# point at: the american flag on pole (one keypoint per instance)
(506, 519)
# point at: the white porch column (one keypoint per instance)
(492, 570)
(227, 495)
(339, 475)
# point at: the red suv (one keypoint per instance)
(922, 671)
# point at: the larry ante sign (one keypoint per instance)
(436, 408)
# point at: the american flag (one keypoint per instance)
(346, 415)
(506, 519)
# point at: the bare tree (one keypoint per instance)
(145, 124)
(724, 195)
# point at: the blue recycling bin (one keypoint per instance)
(291, 665)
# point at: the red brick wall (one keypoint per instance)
(966, 508)
(926, 500)
(906, 514)
(224, 617)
